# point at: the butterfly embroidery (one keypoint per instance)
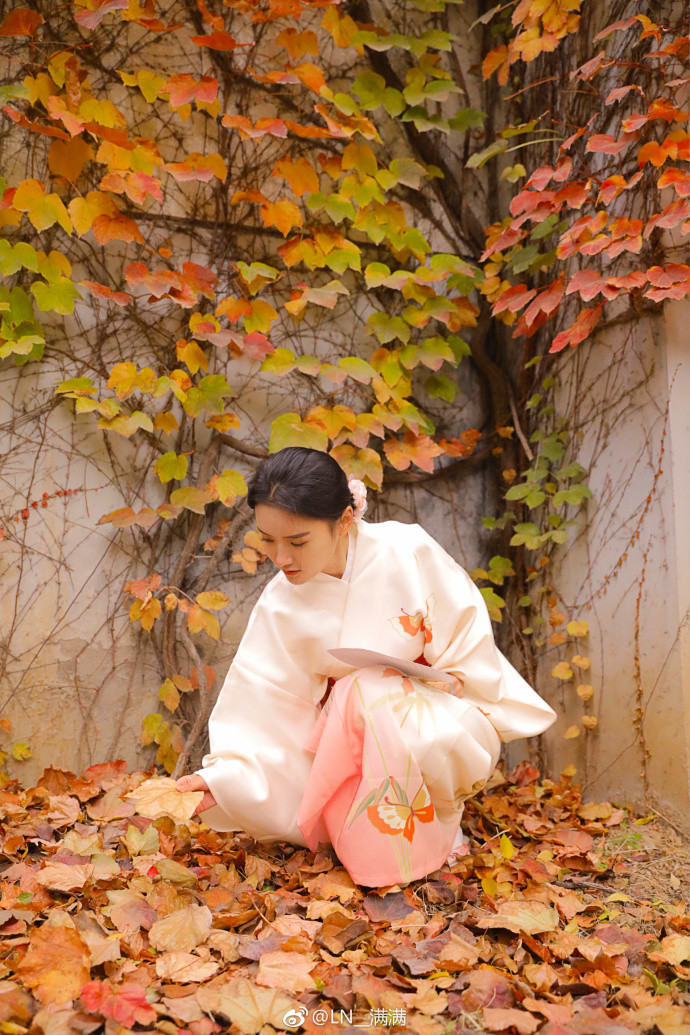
(411, 624)
(398, 817)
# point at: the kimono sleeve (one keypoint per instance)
(461, 642)
(257, 767)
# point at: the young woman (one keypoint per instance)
(306, 748)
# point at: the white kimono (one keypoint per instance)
(401, 594)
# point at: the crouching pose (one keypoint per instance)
(308, 748)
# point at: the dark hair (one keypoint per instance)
(304, 481)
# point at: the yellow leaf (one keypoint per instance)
(590, 721)
(507, 847)
(83, 211)
(562, 670)
(213, 600)
(644, 819)
(571, 732)
(43, 209)
(489, 886)
(160, 796)
(580, 661)
(579, 628)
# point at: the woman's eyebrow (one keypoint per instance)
(295, 535)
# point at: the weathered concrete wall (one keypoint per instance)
(627, 569)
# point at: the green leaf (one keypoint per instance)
(480, 158)
(170, 466)
(151, 726)
(439, 386)
(281, 361)
(467, 118)
(289, 430)
(56, 297)
(518, 492)
(357, 368)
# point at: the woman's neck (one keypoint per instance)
(339, 562)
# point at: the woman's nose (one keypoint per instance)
(283, 558)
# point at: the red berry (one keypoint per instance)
(34, 504)
(45, 503)
(45, 495)
(25, 512)
(59, 492)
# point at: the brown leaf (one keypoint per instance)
(60, 877)
(290, 971)
(62, 781)
(247, 1005)
(184, 967)
(182, 930)
(522, 915)
(498, 1019)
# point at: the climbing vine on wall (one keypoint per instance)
(259, 194)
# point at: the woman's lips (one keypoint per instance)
(287, 572)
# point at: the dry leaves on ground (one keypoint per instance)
(113, 921)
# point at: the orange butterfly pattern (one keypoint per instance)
(411, 624)
(399, 817)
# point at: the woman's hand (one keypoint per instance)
(194, 782)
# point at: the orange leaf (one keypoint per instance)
(56, 964)
(20, 22)
(497, 58)
(219, 39)
(120, 228)
(67, 158)
(301, 176)
(283, 214)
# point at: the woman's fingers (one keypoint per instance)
(194, 782)
(207, 802)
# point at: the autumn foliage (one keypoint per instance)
(121, 912)
(207, 231)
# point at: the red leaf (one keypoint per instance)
(92, 18)
(604, 143)
(583, 326)
(127, 1004)
(546, 301)
(614, 27)
(672, 215)
(257, 345)
(514, 298)
(620, 92)
(119, 297)
(587, 283)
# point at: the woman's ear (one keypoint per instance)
(346, 519)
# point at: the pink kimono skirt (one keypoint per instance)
(394, 762)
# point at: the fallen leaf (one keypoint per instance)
(181, 930)
(185, 967)
(160, 796)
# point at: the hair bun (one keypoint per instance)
(359, 492)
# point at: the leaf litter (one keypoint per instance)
(120, 912)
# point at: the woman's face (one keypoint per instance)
(302, 547)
